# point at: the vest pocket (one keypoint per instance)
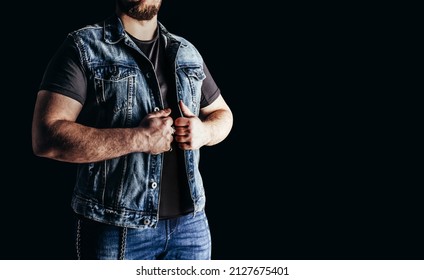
(190, 81)
(91, 180)
(114, 89)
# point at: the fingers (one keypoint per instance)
(181, 122)
(181, 133)
(161, 113)
(168, 122)
(162, 141)
(173, 130)
(166, 118)
(168, 130)
(183, 128)
(159, 128)
(183, 136)
(163, 116)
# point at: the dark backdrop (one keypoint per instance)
(308, 171)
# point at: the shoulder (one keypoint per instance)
(184, 43)
(87, 30)
(187, 52)
(88, 38)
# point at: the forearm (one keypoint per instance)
(71, 142)
(218, 125)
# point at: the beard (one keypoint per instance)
(138, 9)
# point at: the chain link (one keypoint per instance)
(123, 243)
(78, 240)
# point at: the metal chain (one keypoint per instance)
(123, 243)
(78, 240)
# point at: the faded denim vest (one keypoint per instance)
(122, 90)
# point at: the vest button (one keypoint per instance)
(154, 185)
(156, 109)
(146, 222)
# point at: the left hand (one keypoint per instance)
(190, 132)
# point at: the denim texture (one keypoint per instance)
(183, 238)
(122, 90)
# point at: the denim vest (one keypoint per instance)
(122, 90)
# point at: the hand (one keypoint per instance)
(190, 132)
(158, 131)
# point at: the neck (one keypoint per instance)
(143, 30)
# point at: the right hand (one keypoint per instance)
(157, 131)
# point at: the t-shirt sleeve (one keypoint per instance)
(210, 90)
(65, 74)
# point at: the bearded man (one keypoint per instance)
(132, 104)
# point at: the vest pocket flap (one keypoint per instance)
(114, 73)
(196, 72)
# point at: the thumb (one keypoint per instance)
(185, 110)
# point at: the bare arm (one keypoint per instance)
(56, 135)
(213, 125)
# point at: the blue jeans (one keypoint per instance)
(183, 238)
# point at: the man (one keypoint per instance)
(132, 104)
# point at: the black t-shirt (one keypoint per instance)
(65, 75)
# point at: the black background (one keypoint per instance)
(311, 170)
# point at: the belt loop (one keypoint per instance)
(123, 243)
